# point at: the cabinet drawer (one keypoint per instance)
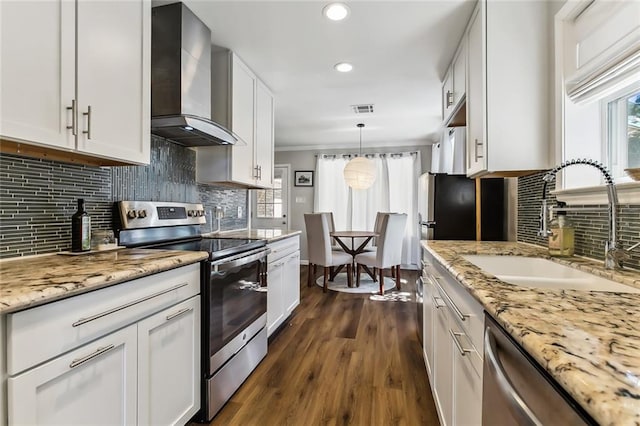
(464, 308)
(41, 333)
(282, 248)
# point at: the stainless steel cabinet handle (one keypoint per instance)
(177, 314)
(74, 124)
(126, 305)
(455, 309)
(476, 144)
(519, 408)
(449, 98)
(260, 172)
(88, 114)
(454, 336)
(78, 361)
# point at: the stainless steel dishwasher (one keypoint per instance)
(517, 391)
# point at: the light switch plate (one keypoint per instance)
(300, 200)
(240, 212)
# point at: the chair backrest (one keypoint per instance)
(389, 252)
(377, 227)
(332, 226)
(318, 240)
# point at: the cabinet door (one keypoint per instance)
(37, 81)
(442, 362)
(428, 316)
(94, 384)
(291, 280)
(169, 365)
(459, 73)
(114, 57)
(467, 385)
(447, 95)
(275, 296)
(264, 135)
(476, 143)
(243, 89)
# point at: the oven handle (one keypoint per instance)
(241, 259)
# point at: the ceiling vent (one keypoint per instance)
(363, 109)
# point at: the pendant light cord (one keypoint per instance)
(360, 126)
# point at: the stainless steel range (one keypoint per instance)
(233, 294)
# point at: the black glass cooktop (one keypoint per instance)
(217, 248)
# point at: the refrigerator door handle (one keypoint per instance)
(428, 223)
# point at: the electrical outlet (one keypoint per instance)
(240, 212)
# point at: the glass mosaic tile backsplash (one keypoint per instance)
(591, 228)
(38, 197)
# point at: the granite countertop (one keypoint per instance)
(32, 281)
(589, 341)
(270, 235)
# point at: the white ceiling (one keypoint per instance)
(399, 50)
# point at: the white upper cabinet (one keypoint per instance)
(114, 60)
(101, 110)
(507, 97)
(244, 105)
(264, 135)
(38, 72)
(454, 88)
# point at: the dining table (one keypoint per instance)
(341, 236)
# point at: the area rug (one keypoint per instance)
(366, 284)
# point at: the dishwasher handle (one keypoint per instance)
(519, 408)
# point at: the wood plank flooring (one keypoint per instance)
(341, 359)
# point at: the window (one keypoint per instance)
(622, 115)
(269, 201)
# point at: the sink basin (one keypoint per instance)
(544, 273)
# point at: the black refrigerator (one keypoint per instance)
(447, 208)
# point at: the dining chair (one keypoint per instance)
(320, 251)
(388, 252)
(332, 227)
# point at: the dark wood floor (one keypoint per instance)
(341, 359)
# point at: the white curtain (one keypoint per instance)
(394, 190)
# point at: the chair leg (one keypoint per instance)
(331, 273)
(381, 281)
(310, 275)
(358, 268)
(393, 272)
(326, 276)
(350, 275)
(375, 273)
(398, 277)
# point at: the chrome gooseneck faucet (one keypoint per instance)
(614, 255)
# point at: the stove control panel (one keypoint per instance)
(152, 214)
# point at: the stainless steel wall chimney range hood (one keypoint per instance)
(181, 79)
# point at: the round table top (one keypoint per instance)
(353, 234)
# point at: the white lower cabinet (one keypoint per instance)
(123, 355)
(456, 364)
(168, 365)
(90, 385)
(283, 281)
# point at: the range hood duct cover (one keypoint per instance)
(181, 79)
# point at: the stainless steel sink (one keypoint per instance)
(544, 273)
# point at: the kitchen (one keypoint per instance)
(45, 170)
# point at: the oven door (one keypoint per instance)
(236, 294)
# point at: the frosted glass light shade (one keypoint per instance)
(360, 173)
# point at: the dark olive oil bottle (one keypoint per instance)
(80, 229)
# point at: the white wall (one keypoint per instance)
(301, 201)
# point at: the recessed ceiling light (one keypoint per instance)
(336, 11)
(343, 67)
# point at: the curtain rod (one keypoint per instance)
(368, 155)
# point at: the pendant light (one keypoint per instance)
(360, 172)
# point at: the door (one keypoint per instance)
(264, 135)
(94, 384)
(37, 81)
(292, 281)
(476, 143)
(243, 93)
(275, 295)
(113, 62)
(169, 365)
(270, 207)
